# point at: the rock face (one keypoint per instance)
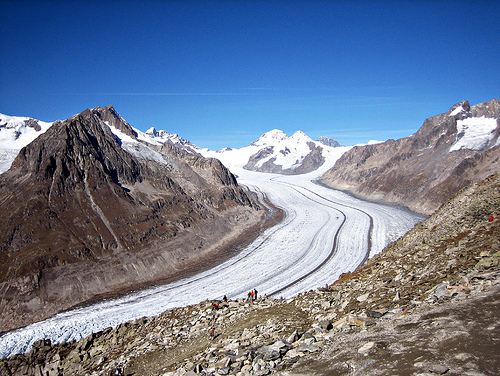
(88, 213)
(447, 153)
(329, 142)
(429, 304)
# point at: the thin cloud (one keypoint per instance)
(167, 94)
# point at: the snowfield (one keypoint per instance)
(324, 234)
(474, 133)
(15, 134)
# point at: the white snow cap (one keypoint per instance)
(474, 133)
(15, 133)
(299, 135)
(270, 138)
(456, 111)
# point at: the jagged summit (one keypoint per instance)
(160, 136)
(460, 109)
(329, 142)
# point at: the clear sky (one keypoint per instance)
(221, 73)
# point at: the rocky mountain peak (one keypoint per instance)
(90, 213)
(448, 152)
(489, 109)
(460, 110)
(329, 142)
(111, 117)
(152, 132)
(160, 136)
(79, 145)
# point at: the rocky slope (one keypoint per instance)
(447, 153)
(427, 305)
(90, 211)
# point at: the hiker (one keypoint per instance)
(215, 307)
(212, 333)
(255, 294)
(490, 218)
(224, 298)
(251, 295)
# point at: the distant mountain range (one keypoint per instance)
(273, 152)
(421, 171)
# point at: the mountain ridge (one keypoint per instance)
(422, 170)
(87, 217)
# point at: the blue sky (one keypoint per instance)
(221, 73)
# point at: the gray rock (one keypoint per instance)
(440, 290)
(325, 325)
(375, 314)
(438, 369)
(308, 348)
(293, 337)
(223, 370)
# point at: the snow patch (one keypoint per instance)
(136, 148)
(474, 133)
(456, 111)
(15, 133)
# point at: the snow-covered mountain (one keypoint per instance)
(15, 133)
(277, 152)
(274, 151)
(160, 137)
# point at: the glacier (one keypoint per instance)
(324, 233)
(474, 133)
